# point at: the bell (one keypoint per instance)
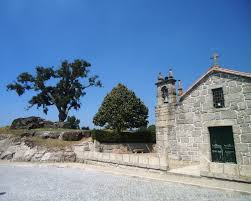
(166, 99)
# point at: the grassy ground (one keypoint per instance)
(37, 141)
(7, 130)
(54, 143)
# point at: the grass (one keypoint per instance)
(54, 143)
(51, 143)
(7, 130)
(14, 132)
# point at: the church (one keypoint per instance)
(209, 124)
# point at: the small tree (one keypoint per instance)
(121, 109)
(65, 94)
(73, 122)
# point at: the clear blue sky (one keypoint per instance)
(127, 41)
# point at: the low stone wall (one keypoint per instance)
(150, 161)
(86, 152)
(226, 171)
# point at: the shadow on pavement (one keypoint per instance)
(2, 193)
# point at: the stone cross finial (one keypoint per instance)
(215, 58)
(180, 88)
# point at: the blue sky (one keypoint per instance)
(127, 41)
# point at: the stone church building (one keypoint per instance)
(209, 124)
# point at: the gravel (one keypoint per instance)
(61, 184)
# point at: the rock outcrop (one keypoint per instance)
(23, 149)
(31, 123)
(37, 122)
(47, 134)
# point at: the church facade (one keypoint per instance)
(209, 124)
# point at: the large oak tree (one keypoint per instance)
(121, 109)
(62, 87)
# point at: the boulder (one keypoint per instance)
(23, 153)
(62, 125)
(4, 144)
(47, 134)
(55, 156)
(69, 156)
(9, 152)
(31, 123)
(39, 154)
(7, 155)
(71, 135)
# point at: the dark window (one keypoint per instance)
(218, 98)
(164, 91)
(222, 144)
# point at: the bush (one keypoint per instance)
(73, 122)
(152, 128)
(86, 128)
(139, 136)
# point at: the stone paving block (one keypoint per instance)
(245, 171)
(99, 156)
(163, 164)
(85, 155)
(126, 158)
(143, 161)
(119, 158)
(231, 169)
(106, 157)
(216, 168)
(113, 157)
(153, 162)
(134, 159)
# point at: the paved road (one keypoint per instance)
(61, 184)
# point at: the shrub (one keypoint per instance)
(139, 136)
(152, 128)
(73, 122)
(85, 128)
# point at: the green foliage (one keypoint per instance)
(73, 122)
(152, 128)
(124, 137)
(86, 128)
(65, 94)
(121, 109)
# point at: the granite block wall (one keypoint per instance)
(182, 129)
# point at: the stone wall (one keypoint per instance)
(85, 152)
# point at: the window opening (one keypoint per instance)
(218, 98)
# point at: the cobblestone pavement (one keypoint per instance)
(61, 184)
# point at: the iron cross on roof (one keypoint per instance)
(215, 58)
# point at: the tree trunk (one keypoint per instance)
(62, 116)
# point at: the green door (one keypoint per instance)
(222, 144)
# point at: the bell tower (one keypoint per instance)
(164, 110)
